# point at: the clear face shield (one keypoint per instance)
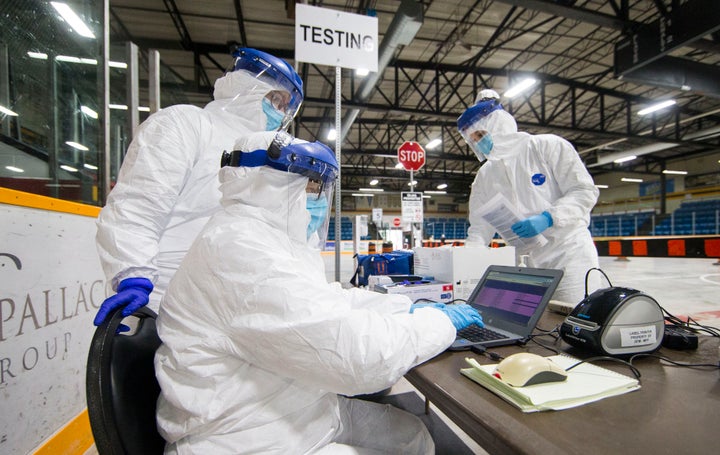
(470, 126)
(318, 203)
(280, 86)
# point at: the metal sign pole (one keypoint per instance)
(338, 184)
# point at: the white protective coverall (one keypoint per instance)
(167, 187)
(566, 191)
(258, 346)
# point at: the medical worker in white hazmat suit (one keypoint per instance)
(259, 349)
(167, 187)
(545, 180)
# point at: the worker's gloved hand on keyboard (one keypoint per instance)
(462, 315)
(437, 305)
(132, 293)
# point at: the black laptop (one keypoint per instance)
(511, 301)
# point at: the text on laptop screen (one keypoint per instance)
(515, 296)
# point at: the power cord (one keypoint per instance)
(629, 364)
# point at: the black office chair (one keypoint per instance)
(121, 387)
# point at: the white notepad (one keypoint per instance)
(585, 383)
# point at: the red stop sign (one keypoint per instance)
(396, 222)
(411, 155)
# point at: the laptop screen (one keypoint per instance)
(510, 296)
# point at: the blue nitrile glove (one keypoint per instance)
(437, 305)
(462, 315)
(132, 293)
(530, 227)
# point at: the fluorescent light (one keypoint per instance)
(668, 171)
(362, 72)
(332, 135)
(37, 55)
(89, 112)
(121, 107)
(434, 192)
(73, 19)
(442, 186)
(426, 196)
(372, 190)
(363, 194)
(520, 87)
(68, 168)
(399, 166)
(86, 61)
(7, 111)
(601, 186)
(624, 159)
(434, 143)
(143, 109)
(656, 107)
(117, 64)
(374, 182)
(624, 179)
(90, 166)
(14, 169)
(78, 146)
(414, 182)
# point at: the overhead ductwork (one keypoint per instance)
(402, 30)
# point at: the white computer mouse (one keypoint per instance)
(524, 369)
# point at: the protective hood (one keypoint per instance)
(240, 94)
(503, 129)
(274, 197)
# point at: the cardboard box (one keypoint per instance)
(460, 265)
(435, 291)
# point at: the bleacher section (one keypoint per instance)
(691, 218)
(453, 228)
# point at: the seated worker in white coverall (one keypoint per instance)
(545, 180)
(259, 351)
(167, 187)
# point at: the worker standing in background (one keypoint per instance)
(167, 187)
(260, 353)
(544, 178)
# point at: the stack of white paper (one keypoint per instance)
(585, 383)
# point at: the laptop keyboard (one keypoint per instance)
(475, 333)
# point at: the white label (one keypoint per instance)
(329, 37)
(637, 336)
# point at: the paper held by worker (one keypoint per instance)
(501, 215)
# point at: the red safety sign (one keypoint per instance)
(411, 155)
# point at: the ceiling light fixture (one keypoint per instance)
(89, 112)
(77, 146)
(434, 143)
(601, 186)
(625, 159)
(362, 72)
(520, 87)
(37, 55)
(442, 186)
(399, 166)
(332, 134)
(434, 192)
(374, 182)
(372, 190)
(625, 179)
(14, 169)
(363, 194)
(7, 111)
(90, 166)
(73, 19)
(668, 171)
(656, 107)
(68, 168)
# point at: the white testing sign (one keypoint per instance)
(328, 37)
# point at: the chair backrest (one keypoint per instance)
(121, 387)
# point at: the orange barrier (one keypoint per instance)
(680, 246)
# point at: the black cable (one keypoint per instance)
(549, 348)
(690, 324)
(588, 274)
(679, 364)
(632, 367)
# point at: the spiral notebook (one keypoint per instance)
(586, 383)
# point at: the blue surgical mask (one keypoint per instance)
(274, 117)
(318, 208)
(484, 145)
